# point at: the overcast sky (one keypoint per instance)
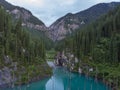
(50, 10)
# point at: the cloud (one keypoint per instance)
(66, 2)
(28, 3)
(101, 1)
(50, 10)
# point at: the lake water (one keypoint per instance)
(64, 80)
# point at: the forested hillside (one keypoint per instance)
(20, 53)
(32, 24)
(97, 46)
(36, 34)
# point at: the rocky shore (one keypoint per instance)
(11, 73)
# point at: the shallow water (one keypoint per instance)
(64, 80)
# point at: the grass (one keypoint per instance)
(50, 55)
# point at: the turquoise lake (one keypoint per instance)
(64, 80)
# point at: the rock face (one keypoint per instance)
(6, 73)
(70, 22)
(28, 20)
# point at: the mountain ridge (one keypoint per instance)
(28, 19)
(70, 22)
(63, 26)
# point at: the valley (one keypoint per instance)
(78, 51)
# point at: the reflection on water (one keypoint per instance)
(54, 84)
(64, 80)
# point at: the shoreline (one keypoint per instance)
(39, 78)
(112, 86)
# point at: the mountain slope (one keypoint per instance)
(70, 22)
(35, 27)
(28, 20)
